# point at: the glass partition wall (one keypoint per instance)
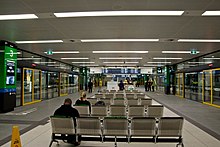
(180, 84)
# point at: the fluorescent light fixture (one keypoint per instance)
(90, 65)
(152, 65)
(53, 65)
(211, 13)
(159, 62)
(44, 62)
(123, 58)
(74, 58)
(112, 65)
(177, 52)
(39, 41)
(198, 40)
(119, 13)
(199, 62)
(64, 52)
(113, 62)
(168, 58)
(28, 58)
(127, 52)
(119, 40)
(18, 16)
(83, 62)
(206, 58)
(131, 62)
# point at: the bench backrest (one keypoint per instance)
(115, 127)
(88, 126)
(99, 110)
(136, 110)
(170, 127)
(143, 126)
(61, 125)
(155, 111)
(83, 110)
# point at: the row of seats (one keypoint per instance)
(121, 110)
(120, 95)
(137, 129)
(125, 102)
(120, 91)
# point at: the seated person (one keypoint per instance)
(83, 101)
(68, 111)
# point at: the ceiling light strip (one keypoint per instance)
(74, 58)
(167, 58)
(127, 52)
(122, 58)
(118, 13)
(64, 52)
(119, 40)
(211, 13)
(39, 41)
(198, 40)
(18, 16)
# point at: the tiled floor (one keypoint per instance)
(192, 137)
(40, 136)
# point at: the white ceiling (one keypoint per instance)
(48, 27)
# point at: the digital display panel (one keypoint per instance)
(10, 73)
(121, 71)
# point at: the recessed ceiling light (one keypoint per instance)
(178, 52)
(211, 13)
(40, 41)
(74, 58)
(119, 40)
(198, 40)
(123, 58)
(83, 62)
(127, 52)
(18, 16)
(168, 58)
(64, 52)
(160, 62)
(119, 13)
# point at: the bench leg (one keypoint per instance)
(115, 141)
(53, 141)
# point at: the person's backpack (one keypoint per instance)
(100, 103)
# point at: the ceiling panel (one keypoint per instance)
(47, 27)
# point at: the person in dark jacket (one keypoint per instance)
(121, 85)
(68, 111)
(90, 85)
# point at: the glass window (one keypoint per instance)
(216, 86)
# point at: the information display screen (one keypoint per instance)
(121, 71)
(10, 73)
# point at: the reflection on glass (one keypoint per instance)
(28, 81)
(44, 84)
(64, 81)
(193, 86)
(177, 84)
(53, 82)
(18, 87)
(207, 86)
(216, 86)
(37, 83)
(181, 84)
